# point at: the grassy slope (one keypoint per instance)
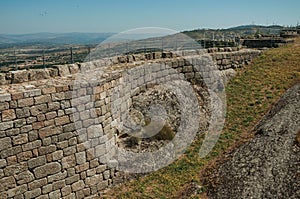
(249, 96)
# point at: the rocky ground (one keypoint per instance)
(268, 166)
(164, 106)
(148, 109)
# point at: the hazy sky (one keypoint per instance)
(30, 16)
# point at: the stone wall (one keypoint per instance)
(57, 137)
(264, 42)
(228, 57)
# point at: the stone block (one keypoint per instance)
(24, 156)
(37, 184)
(4, 106)
(3, 194)
(16, 191)
(42, 99)
(38, 74)
(8, 115)
(35, 162)
(91, 172)
(74, 68)
(5, 143)
(30, 120)
(25, 129)
(72, 179)
(33, 193)
(68, 161)
(81, 168)
(15, 168)
(2, 163)
(38, 125)
(23, 113)
(100, 150)
(58, 184)
(32, 135)
(48, 90)
(43, 197)
(2, 79)
(51, 115)
(12, 160)
(6, 125)
(93, 163)
(57, 155)
(95, 131)
(65, 136)
(78, 185)
(7, 183)
(49, 131)
(25, 102)
(69, 127)
(20, 76)
(62, 145)
(62, 120)
(60, 113)
(24, 177)
(80, 157)
(63, 70)
(58, 96)
(57, 176)
(61, 88)
(106, 174)
(16, 96)
(31, 145)
(20, 139)
(102, 185)
(66, 190)
(46, 149)
(32, 93)
(113, 164)
(55, 194)
(65, 104)
(81, 100)
(101, 168)
(47, 169)
(38, 109)
(10, 151)
(47, 188)
(70, 150)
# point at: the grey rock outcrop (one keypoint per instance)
(268, 166)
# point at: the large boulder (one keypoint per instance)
(268, 165)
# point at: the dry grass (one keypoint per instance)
(249, 96)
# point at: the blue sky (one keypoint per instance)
(31, 16)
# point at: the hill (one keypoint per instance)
(243, 31)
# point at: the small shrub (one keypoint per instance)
(133, 141)
(166, 133)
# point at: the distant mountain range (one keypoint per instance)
(247, 27)
(244, 31)
(52, 38)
